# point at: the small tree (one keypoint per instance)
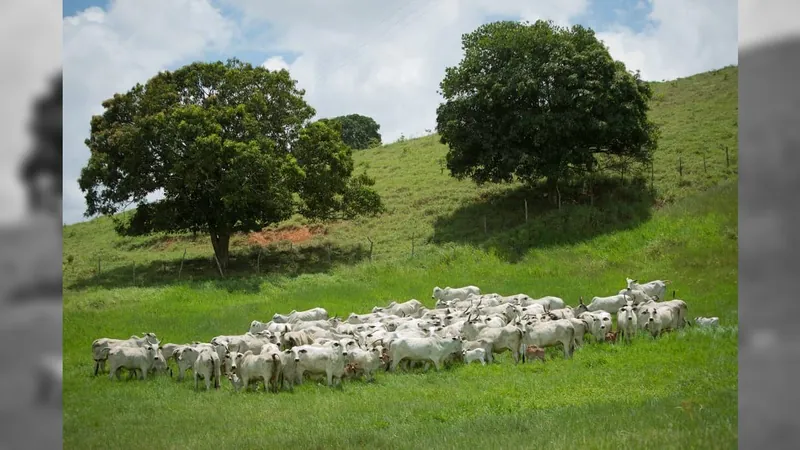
(531, 101)
(231, 148)
(359, 132)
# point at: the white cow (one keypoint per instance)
(256, 327)
(506, 310)
(683, 309)
(101, 346)
(306, 324)
(610, 304)
(411, 308)
(628, 321)
(599, 322)
(133, 358)
(449, 293)
(502, 339)
(661, 319)
(250, 367)
(207, 365)
(707, 321)
(475, 354)
(562, 313)
(298, 316)
(320, 360)
(548, 334)
(655, 288)
(581, 326)
(366, 362)
(548, 302)
(433, 348)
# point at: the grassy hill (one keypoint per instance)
(679, 391)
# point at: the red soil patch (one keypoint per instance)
(294, 234)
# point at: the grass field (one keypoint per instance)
(679, 391)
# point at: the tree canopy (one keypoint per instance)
(536, 100)
(359, 132)
(231, 148)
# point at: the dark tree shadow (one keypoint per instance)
(245, 270)
(610, 205)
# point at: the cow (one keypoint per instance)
(329, 361)
(599, 323)
(307, 324)
(365, 362)
(299, 316)
(250, 367)
(207, 365)
(682, 308)
(655, 288)
(256, 327)
(610, 304)
(433, 348)
(581, 326)
(627, 322)
(547, 334)
(707, 321)
(294, 338)
(661, 319)
(132, 358)
(101, 346)
(501, 339)
(548, 302)
(534, 352)
(561, 313)
(506, 310)
(449, 293)
(475, 354)
(411, 308)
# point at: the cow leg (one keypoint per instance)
(96, 367)
(435, 364)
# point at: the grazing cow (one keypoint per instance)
(411, 308)
(132, 358)
(207, 366)
(250, 367)
(610, 304)
(611, 337)
(627, 322)
(547, 334)
(655, 288)
(475, 354)
(533, 352)
(328, 360)
(432, 348)
(707, 321)
(101, 346)
(300, 316)
(449, 293)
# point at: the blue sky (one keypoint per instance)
(383, 59)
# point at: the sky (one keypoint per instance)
(382, 59)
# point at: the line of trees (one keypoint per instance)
(233, 147)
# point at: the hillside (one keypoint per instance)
(697, 115)
(677, 391)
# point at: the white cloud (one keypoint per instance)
(764, 21)
(381, 59)
(28, 70)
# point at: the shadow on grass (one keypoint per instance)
(613, 205)
(243, 266)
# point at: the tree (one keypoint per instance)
(231, 148)
(532, 101)
(359, 132)
(41, 169)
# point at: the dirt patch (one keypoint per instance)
(294, 234)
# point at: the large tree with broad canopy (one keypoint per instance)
(230, 146)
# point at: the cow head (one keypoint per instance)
(437, 292)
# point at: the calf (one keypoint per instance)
(534, 352)
(550, 333)
(475, 354)
(611, 337)
(707, 321)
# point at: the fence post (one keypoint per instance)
(258, 262)
(181, 268)
(370, 248)
(727, 157)
(705, 170)
(526, 210)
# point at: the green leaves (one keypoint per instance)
(357, 131)
(228, 144)
(531, 101)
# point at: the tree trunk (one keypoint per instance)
(221, 243)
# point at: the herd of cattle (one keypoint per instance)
(464, 325)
